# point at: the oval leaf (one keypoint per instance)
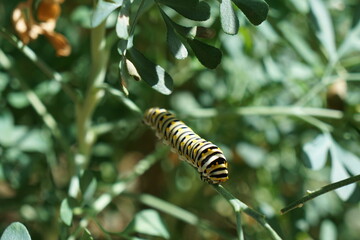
(15, 231)
(88, 185)
(148, 222)
(66, 213)
(191, 9)
(316, 151)
(151, 73)
(208, 55)
(338, 172)
(103, 10)
(229, 20)
(325, 30)
(177, 48)
(122, 24)
(255, 10)
(348, 159)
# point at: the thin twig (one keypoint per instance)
(239, 207)
(30, 54)
(268, 111)
(299, 203)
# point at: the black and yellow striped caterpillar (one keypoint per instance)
(203, 155)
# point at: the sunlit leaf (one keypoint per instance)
(192, 9)
(186, 32)
(123, 21)
(255, 10)
(338, 173)
(148, 222)
(66, 213)
(16, 231)
(103, 10)
(34, 140)
(324, 27)
(229, 20)
(316, 151)
(18, 99)
(88, 185)
(348, 159)
(177, 48)
(208, 55)
(253, 155)
(151, 73)
(351, 42)
(328, 230)
(294, 37)
(6, 128)
(86, 235)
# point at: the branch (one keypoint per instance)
(268, 110)
(299, 203)
(239, 206)
(30, 54)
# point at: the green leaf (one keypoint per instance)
(253, 155)
(255, 10)
(338, 172)
(18, 99)
(351, 43)
(34, 141)
(103, 10)
(86, 235)
(324, 27)
(328, 230)
(186, 32)
(88, 185)
(148, 222)
(229, 20)
(122, 24)
(294, 37)
(16, 231)
(66, 213)
(6, 128)
(191, 9)
(208, 55)
(316, 151)
(177, 48)
(152, 74)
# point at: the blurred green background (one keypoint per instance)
(283, 104)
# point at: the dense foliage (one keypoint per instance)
(274, 84)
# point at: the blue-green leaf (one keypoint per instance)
(253, 155)
(34, 141)
(338, 172)
(152, 74)
(66, 213)
(88, 185)
(208, 55)
(316, 151)
(255, 10)
(328, 230)
(177, 48)
(148, 222)
(324, 27)
(229, 20)
(103, 10)
(86, 235)
(16, 231)
(191, 9)
(123, 21)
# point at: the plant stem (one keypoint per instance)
(239, 206)
(29, 53)
(86, 108)
(325, 189)
(270, 111)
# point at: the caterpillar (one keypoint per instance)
(205, 156)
